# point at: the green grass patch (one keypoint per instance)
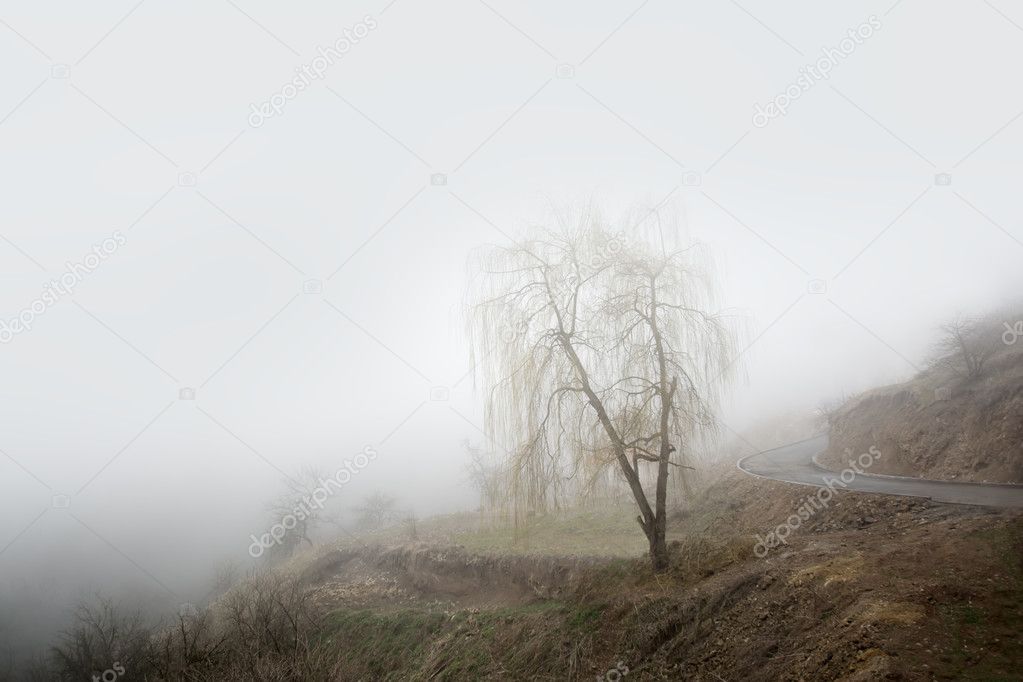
(382, 645)
(523, 641)
(585, 617)
(995, 621)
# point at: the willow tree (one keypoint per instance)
(594, 345)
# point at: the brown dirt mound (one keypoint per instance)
(450, 575)
(940, 425)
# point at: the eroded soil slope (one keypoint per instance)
(940, 425)
(870, 588)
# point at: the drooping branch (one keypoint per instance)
(616, 357)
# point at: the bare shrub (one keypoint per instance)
(965, 347)
(488, 474)
(828, 410)
(375, 510)
(102, 637)
(263, 630)
(188, 646)
(296, 503)
(268, 614)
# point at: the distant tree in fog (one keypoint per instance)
(225, 575)
(488, 476)
(375, 510)
(827, 410)
(301, 502)
(100, 638)
(965, 346)
(594, 347)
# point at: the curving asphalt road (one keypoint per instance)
(795, 464)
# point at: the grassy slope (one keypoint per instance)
(867, 588)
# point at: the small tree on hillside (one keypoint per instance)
(297, 503)
(287, 505)
(375, 510)
(620, 357)
(487, 476)
(827, 410)
(964, 347)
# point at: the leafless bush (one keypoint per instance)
(489, 476)
(320, 664)
(295, 503)
(187, 646)
(375, 510)
(270, 614)
(38, 669)
(101, 638)
(827, 410)
(225, 576)
(965, 346)
(263, 630)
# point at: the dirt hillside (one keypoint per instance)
(942, 424)
(870, 588)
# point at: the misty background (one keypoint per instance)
(304, 278)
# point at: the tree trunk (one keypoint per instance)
(658, 549)
(652, 520)
(658, 545)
